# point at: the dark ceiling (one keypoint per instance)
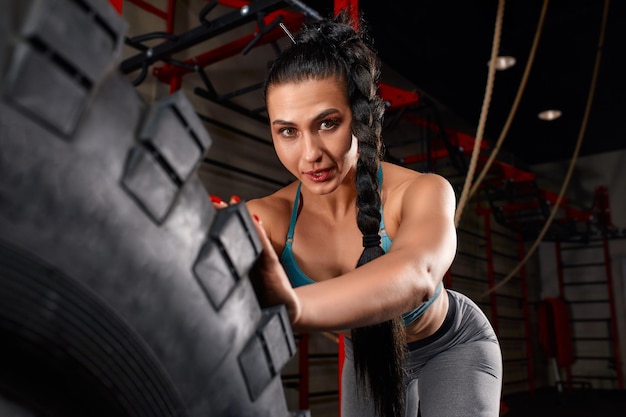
(443, 46)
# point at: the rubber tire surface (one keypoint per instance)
(123, 292)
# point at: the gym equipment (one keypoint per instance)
(123, 292)
(555, 336)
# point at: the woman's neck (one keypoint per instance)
(336, 205)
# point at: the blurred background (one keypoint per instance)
(536, 152)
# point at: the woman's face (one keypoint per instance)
(310, 124)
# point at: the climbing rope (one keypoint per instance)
(581, 134)
(483, 113)
(518, 97)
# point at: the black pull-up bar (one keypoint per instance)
(206, 30)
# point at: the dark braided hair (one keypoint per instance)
(333, 48)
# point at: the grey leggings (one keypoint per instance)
(455, 372)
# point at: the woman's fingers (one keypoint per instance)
(268, 275)
(270, 279)
(218, 203)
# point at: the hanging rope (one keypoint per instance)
(581, 135)
(518, 97)
(483, 113)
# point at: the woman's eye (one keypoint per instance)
(328, 124)
(287, 132)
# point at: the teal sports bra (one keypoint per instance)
(298, 278)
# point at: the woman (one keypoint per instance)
(327, 251)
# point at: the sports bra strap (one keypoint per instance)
(294, 215)
(380, 188)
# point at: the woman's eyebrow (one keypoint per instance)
(326, 113)
(281, 122)
(320, 116)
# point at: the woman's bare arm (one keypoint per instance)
(423, 249)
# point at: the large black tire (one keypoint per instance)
(123, 292)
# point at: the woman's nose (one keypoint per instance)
(312, 149)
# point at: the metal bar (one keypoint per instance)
(234, 130)
(199, 34)
(493, 301)
(341, 350)
(559, 268)
(291, 20)
(561, 280)
(175, 82)
(242, 171)
(530, 369)
(230, 105)
(578, 284)
(614, 332)
(589, 264)
(596, 301)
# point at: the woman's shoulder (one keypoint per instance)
(404, 189)
(279, 201)
(396, 178)
(274, 210)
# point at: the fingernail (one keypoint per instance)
(215, 199)
(235, 198)
(256, 218)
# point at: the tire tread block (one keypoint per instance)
(171, 145)
(64, 49)
(228, 255)
(267, 352)
(175, 132)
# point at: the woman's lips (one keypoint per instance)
(318, 175)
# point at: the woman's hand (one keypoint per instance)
(218, 203)
(270, 280)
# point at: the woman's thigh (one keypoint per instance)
(465, 380)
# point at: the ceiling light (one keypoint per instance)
(504, 62)
(549, 115)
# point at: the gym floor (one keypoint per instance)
(576, 403)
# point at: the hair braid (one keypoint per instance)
(384, 340)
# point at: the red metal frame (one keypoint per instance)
(352, 5)
(615, 334)
(462, 141)
(561, 282)
(291, 20)
(117, 5)
(341, 351)
(491, 278)
(168, 16)
(530, 367)
(610, 289)
(601, 207)
(397, 97)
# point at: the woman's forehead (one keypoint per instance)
(286, 101)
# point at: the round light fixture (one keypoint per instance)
(549, 115)
(504, 62)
